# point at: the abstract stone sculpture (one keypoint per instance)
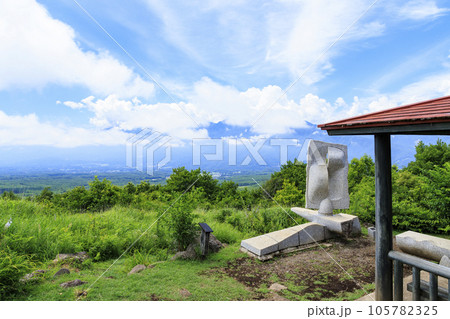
(326, 189)
(326, 177)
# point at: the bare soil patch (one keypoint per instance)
(313, 274)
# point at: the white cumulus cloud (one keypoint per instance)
(421, 9)
(30, 130)
(265, 111)
(36, 50)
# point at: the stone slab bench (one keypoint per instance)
(281, 240)
(425, 246)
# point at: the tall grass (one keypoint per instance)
(43, 232)
(232, 226)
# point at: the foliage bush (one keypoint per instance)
(12, 268)
(289, 195)
(420, 192)
(181, 222)
(227, 233)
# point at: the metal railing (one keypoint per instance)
(418, 264)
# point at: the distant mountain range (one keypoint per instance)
(266, 155)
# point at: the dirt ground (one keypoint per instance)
(313, 274)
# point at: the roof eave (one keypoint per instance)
(441, 128)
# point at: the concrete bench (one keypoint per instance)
(425, 246)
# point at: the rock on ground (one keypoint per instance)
(276, 297)
(185, 293)
(136, 269)
(73, 283)
(214, 244)
(78, 256)
(32, 276)
(62, 271)
(189, 253)
(277, 287)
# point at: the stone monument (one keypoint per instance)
(327, 188)
(326, 177)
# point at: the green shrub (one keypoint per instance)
(181, 223)
(12, 268)
(226, 233)
(222, 215)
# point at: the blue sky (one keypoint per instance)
(199, 69)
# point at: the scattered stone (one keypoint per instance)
(277, 287)
(136, 269)
(73, 283)
(62, 271)
(214, 244)
(424, 246)
(33, 276)
(185, 293)
(277, 297)
(151, 266)
(81, 293)
(445, 261)
(189, 253)
(78, 256)
(110, 277)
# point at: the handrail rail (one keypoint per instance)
(426, 265)
(417, 264)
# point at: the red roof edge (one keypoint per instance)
(342, 122)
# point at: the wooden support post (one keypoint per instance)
(433, 287)
(204, 243)
(416, 284)
(383, 218)
(448, 290)
(398, 280)
(204, 238)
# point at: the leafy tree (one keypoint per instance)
(46, 195)
(182, 180)
(362, 200)
(77, 199)
(427, 156)
(146, 187)
(127, 194)
(102, 194)
(295, 172)
(9, 195)
(290, 195)
(437, 192)
(227, 188)
(358, 169)
(227, 193)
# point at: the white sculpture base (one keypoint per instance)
(340, 223)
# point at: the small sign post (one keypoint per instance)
(204, 238)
